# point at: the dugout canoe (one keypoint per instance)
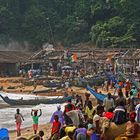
(37, 101)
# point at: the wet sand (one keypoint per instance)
(28, 132)
(3, 105)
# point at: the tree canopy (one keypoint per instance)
(106, 23)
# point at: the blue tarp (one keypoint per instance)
(98, 96)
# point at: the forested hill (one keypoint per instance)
(106, 23)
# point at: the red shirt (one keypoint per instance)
(56, 127)
(69, 107)
(109, 115)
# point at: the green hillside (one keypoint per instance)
(105, 23)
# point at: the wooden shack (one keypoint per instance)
(10, 62)
(131, 60)
(91, 59)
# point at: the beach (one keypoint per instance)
(28, 132)
(47, 110)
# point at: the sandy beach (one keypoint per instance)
(27, 132)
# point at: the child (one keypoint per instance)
(55, 128)
(60, 115)
(35, 118)
(18, 118)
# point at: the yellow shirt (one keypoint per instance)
(89, 112)
(69, 129)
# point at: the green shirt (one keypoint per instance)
(134, 92)
(35, 119)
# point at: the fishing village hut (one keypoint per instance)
(128, 59)
(47, 57)
(95, 60)
(10, 62)
(131, 61)
(91, 59)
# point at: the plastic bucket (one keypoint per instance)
(4, 135)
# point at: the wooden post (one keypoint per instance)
(32, 65)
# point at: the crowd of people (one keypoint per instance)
(82, 120)
(94, 121)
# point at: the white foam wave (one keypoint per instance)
(7, 115)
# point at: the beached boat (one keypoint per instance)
(36, 101)
(100, 97)
(42, 91)
(52, 84)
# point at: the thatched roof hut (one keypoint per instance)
(10, 61)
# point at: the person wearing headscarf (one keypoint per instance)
(132, 128)
(59, 113)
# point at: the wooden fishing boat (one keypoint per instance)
(100, 97)
(42, 91)
(52, 84)
(36, 101)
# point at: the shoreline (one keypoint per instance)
(3, 105)
(46, 127)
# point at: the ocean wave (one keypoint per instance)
(9, 121)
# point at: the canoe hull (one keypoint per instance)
(34, 101)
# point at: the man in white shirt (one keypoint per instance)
(108, 102)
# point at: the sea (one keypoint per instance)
(7, 113)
